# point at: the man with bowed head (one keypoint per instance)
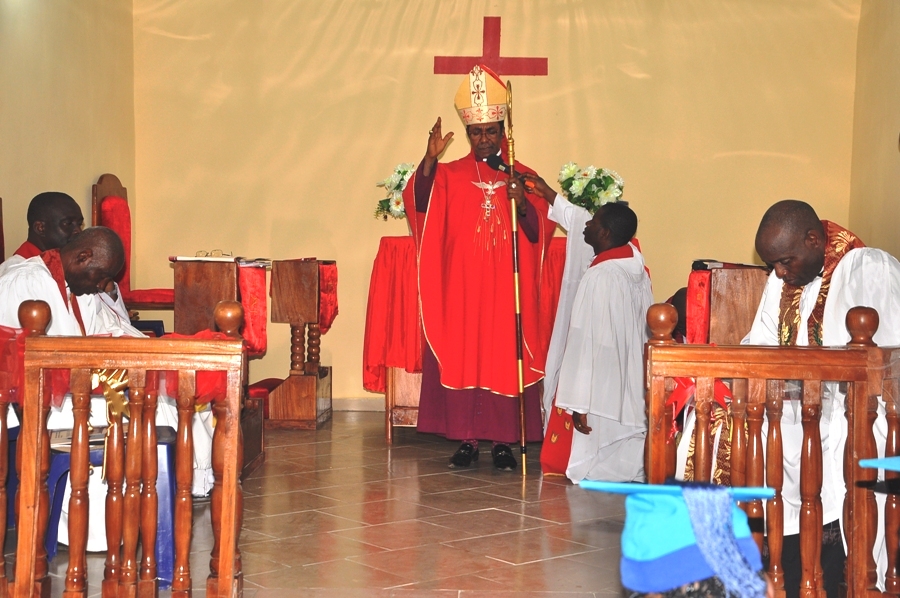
(819, 272)
(460, 213)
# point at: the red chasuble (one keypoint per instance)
(466, 280)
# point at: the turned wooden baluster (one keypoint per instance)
(860, 510)
(313, 348)
(297, 346)
(34, 317)
(775, 480)
(131, 505)
(810, 491)
(755, 464)
(703, 405)
(76, 575)
(184, 477)
(147, 585)
(739, 432)
(114, 468)
(892, 503)
(228, 315)
(661, 319)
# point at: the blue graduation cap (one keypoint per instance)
(677, 534)
(888, 463)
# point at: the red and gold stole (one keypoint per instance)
(54, 264)
(838, 242)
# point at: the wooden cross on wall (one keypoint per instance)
(490, 57)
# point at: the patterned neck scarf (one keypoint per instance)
(838, 241)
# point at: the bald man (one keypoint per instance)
(819, 272)
(54, 218)
(69, 280)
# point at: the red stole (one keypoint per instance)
(558, 440)
(28, 250)
(466, 280)
(838, 242)
(54, 264)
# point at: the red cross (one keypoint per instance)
(490, 49)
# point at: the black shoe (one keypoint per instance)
(503, 457)
(464, 455)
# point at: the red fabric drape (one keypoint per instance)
(393, 334)
(328, 300)
(697, 307)
(211, 385)
(252, 284)
(115, 214)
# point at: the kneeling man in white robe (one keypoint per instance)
(601, 377)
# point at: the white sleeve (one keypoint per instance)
(764, 330)
(563, 212)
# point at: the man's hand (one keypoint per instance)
(436, 146)
(541, 187)
(515, 189)
(110, 289)
(580, 421)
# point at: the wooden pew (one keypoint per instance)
(131, 468)
(757, 377)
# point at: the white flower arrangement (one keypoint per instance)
(590, 187)
(392, 205)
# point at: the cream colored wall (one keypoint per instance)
(66, 101)
(875, 180)
(262, 127)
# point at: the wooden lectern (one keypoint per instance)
(199, 286)
(722, 302)
(303, 400)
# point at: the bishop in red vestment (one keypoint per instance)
(462, 222)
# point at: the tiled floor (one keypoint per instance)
(338, 512)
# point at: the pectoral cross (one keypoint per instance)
(488, 190)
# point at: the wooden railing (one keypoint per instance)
(130, 467)
(757, 376)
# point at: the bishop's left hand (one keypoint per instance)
(515, 189)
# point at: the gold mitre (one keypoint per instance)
(481, 97)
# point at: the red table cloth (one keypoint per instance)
(393, 334)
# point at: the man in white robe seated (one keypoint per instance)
(601, 372)
(69, 280)
(54, 219)
(819, 272)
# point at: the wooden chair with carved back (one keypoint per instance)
(757, 376)
(130, 467)
(109, 207)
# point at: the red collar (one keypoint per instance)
(27, 250)
(616, 253)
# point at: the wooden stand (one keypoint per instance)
(734, 295)
(401, 400)
(303, 400)
(199, 286)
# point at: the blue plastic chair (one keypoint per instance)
(60, 462)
